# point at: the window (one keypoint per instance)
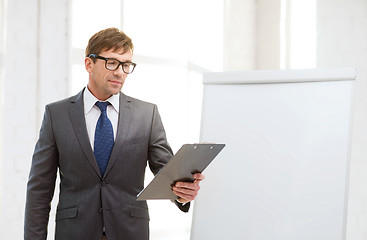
(87, 18)
(298, 34)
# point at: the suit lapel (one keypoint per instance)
(76, 112)
(125, 116)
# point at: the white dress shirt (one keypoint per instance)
(92, 113)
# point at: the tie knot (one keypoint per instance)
(102, 105)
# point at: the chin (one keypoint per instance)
(115, 90)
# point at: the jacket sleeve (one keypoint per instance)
(183, 207)
(159, 150)
(41, 182)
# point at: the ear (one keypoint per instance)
(88, 63)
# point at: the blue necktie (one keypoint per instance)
(103, 138)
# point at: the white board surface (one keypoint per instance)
(284, 172)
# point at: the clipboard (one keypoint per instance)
(190, 159)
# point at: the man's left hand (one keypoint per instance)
(187, 191)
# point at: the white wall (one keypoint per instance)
(19, 80)
(267, 34)
(251, 34)
(342, 41)
(36, 69)
(2, 31)
(239, 50)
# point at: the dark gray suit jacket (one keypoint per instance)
(88, 201)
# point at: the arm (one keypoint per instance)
(159, 150)
(41, 183)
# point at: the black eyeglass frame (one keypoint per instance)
(120, 63)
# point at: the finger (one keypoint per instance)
(184, 197)
(199, 176)
(193, 186)
(187, 195)
(183, 201)
(185, 190)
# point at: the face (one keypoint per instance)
(104, 83)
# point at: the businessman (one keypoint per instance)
(100, 141)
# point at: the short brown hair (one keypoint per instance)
(110, 38)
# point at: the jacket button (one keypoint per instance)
(104, 183)
(100, 210)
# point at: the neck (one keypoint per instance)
(99, 97)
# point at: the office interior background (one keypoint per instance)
(42, 60)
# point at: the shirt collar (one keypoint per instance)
(90, 100)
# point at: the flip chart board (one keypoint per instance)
(284, 172)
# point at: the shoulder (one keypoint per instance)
(141, 109)
(65, 103)
(125, 99)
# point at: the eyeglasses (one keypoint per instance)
(113, 64)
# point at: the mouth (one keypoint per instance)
(115, 82)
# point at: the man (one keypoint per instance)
(100, 142)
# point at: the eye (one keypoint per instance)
(112, 63)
